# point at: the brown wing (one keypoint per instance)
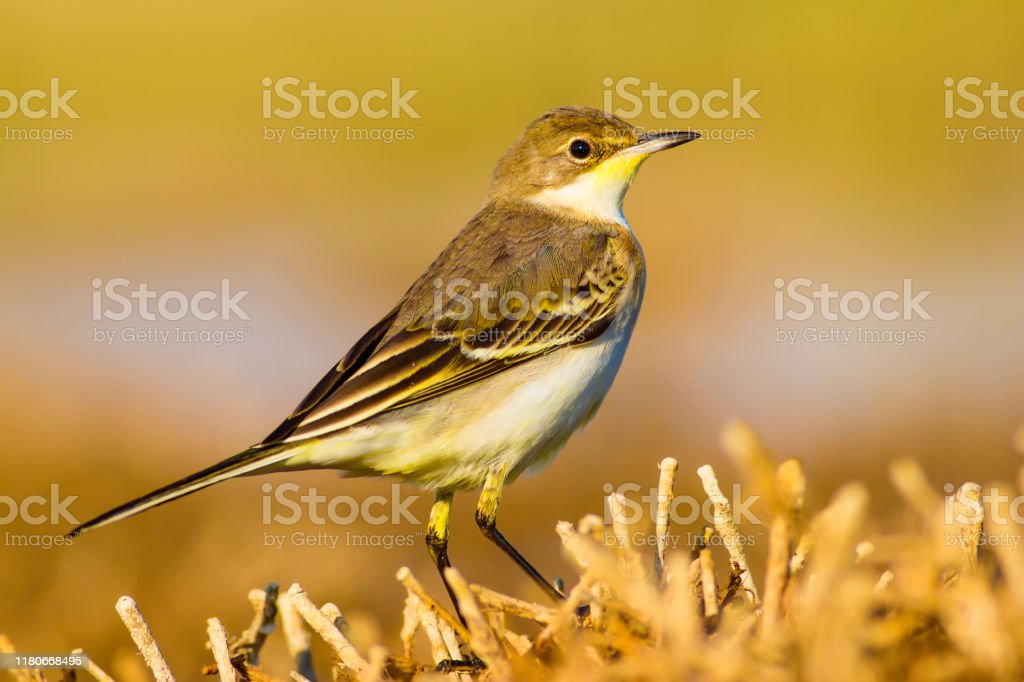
(570, 300)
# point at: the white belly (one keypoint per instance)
(522, 419)
(534, 411)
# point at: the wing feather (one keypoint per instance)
(430, 358)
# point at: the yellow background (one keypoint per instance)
(849, 180)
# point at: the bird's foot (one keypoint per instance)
(470, 664)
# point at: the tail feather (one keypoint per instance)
(247, 462)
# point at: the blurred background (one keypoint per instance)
(172, 176)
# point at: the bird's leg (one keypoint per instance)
(437, 541)
(437, 545)
(486, 519)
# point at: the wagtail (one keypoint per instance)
(502, 348)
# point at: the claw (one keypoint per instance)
(470, 664)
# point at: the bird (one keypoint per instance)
(503, 348)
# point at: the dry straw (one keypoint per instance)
(936, 594)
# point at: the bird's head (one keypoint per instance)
(578, 160)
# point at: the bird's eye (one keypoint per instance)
(580, 149)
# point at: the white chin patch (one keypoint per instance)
(593, 196)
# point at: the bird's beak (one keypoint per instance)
(654, 141)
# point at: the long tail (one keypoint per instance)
(247, 462)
